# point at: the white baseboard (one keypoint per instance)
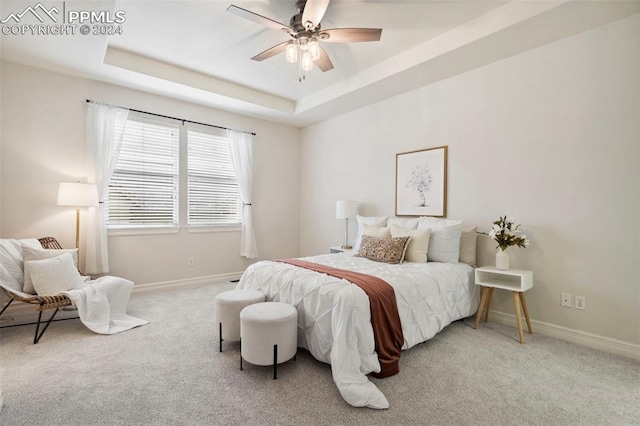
(595, 341)
(209, 279)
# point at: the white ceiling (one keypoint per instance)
(198, 52)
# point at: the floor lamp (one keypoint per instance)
(78, 195)
(344, 210)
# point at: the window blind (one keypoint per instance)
(213, 196)
(143, 190)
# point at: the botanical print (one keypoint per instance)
(421, 182)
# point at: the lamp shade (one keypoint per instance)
(78, 195)
(346, 209)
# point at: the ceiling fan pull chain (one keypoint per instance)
(301, 75)
(299, 70)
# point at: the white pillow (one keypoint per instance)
(444, 243)
(39, 254)
(374, 231)
(418, 244)
(405, 222)
(53, 275)
(433, 222)
(377, 222)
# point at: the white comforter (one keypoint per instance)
(334, 317)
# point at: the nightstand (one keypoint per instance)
(515, 280)
(339, 249)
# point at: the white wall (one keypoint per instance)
(43, 143)
(550, 137)
(1, 387)
(0, 141)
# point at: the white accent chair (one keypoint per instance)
(41, 303)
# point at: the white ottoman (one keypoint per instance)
(269, 334)
(228, 307)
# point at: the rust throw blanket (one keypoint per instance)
(385, 319)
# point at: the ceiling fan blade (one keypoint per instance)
(272, 51)
(324, 63)
(347, 35)
(313, 12)
(258, 18)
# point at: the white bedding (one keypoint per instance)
(334, 317)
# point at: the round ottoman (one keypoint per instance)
(228, 307)
(269, 334)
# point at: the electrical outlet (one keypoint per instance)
(580, 302)
(190, 261)
(565, 300)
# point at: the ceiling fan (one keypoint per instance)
(305, 31)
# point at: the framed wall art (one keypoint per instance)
(421, 182)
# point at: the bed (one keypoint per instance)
(334, 315)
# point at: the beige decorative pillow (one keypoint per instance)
(468, 245)
(375, 231)
(387, 250)
(418, 244)
(375, 221)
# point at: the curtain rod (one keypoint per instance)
(172, 118)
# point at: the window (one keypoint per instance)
(213, 197)
(160, 156)
(143, 190)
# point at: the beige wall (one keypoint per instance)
(550, 137)
(43, 143)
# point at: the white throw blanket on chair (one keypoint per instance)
(102, 305)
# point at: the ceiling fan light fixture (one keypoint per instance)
(306, 31)
(314, 49)
(303, 42)
(291, 52)
(306, 62)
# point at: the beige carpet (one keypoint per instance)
(171, 373)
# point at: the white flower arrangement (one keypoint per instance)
(507, 233)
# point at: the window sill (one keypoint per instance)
(140, 230)
(211, 228)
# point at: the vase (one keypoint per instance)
(502, 259)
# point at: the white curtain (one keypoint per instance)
(105, 130)
(241, 147)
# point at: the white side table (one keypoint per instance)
(515, 280)
(339, 249)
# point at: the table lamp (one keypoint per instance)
(78, 195)
(344, 210)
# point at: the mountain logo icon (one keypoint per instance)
(38, 11)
